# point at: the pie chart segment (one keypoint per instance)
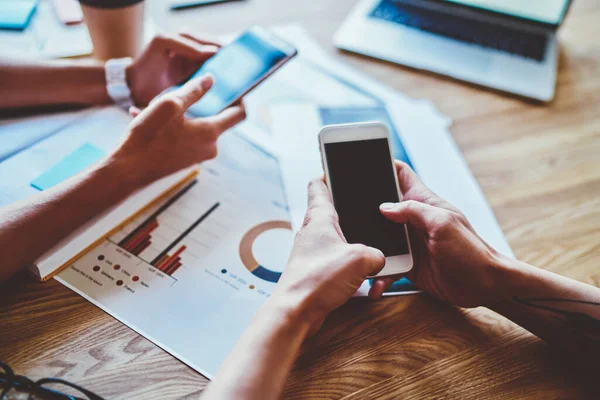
(260, 249)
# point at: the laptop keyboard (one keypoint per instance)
(524, 44)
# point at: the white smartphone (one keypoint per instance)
(360, 173)
(239, 67)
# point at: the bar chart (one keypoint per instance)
(166, 236)
(200, 228)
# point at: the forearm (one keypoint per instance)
(563, 312)
(31, 227)
(36, 83)
(258, 366)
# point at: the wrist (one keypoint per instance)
(123, 172)
(97, 91)
(130, 75)
(87, 79)
(506, 275)
(294, 315)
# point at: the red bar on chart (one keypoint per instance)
(174, 269)
(169, 260)
(142, 235)
(142, 246)
(170, 265)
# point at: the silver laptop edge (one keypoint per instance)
(492, 68)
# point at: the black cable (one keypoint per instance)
(9, 381)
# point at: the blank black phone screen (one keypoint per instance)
(361, 177)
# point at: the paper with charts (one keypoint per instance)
(190, 273)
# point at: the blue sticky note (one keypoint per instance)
(16, 14)
(74, 163)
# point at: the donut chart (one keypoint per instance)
(247, 256)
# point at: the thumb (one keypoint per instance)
(374, 260)
(318, 194)
(411, 212)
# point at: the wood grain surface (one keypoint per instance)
(539, 166)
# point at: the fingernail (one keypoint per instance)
(207, 81)
(387, 206)
(134, 111)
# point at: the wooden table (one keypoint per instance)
(539, 166)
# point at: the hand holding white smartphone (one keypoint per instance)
(360, 172)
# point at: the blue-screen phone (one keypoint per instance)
(239, 67)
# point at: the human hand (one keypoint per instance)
(166, 62)
(323, 270)
(451, 261)
(161, 140)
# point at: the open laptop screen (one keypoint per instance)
(545, 11)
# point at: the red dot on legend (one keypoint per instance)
(119, 283)
(251, 286)
(117, 267)
(136, 278)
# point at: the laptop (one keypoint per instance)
(507, 45)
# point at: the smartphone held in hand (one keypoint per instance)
(360, 173)
(239, 67)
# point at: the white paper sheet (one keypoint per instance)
(16, 134)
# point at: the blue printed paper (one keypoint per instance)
(74, 163)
